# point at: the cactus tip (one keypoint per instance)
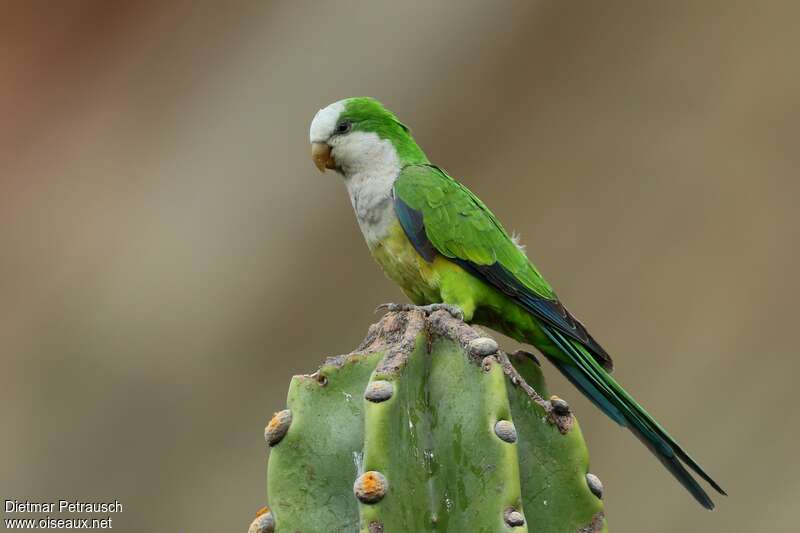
(379, 391)
(595, 485)
(322, 379)
(506, 431)
(375, 527)
(483, 346)
(370, 487)
(264, 522)
(514, 518)
(561, 407)
(277, 427)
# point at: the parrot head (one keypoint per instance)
(357, 134)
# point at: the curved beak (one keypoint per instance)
(321, 154)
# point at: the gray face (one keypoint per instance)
(369, 164)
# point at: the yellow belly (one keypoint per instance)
(420, 280)
(443, 280)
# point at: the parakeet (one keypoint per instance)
(446, 249)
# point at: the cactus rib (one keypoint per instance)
(429, 426)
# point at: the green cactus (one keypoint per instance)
(427, 427)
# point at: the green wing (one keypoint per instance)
(439, 215)
(460, 226)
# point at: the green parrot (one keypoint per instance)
(446, 250)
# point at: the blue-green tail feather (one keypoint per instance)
(596, 384)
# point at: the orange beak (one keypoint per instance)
(321, 154)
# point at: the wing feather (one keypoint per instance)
(439, 215)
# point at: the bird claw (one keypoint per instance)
(453, 310)
(393, 308)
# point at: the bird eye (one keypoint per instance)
(343, 127)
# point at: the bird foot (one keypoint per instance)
(454, 310)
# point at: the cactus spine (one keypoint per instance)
(428, 426)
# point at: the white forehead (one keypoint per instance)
(325, 121)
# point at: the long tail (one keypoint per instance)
(594, 382)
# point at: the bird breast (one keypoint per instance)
(371, 196)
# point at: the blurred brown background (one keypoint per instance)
(165, 241)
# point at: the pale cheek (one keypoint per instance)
(363, 152)
(341, 151)
(349, 151)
